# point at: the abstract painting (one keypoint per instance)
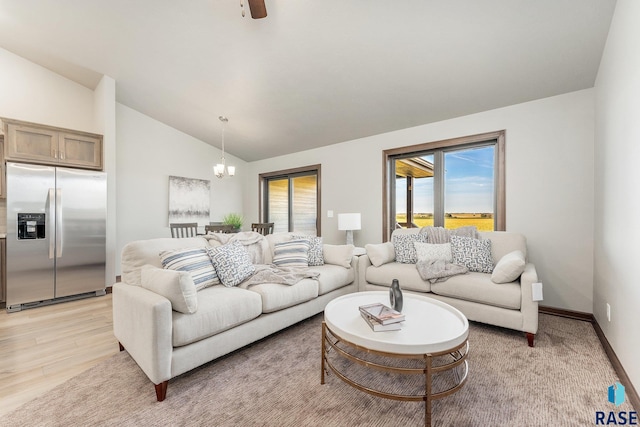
(189, 200)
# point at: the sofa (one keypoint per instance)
(171, 316)
(498, 292)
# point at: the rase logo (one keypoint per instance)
(616, 396)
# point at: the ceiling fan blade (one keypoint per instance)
(258, 9)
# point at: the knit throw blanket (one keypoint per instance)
(255, 243)
(281, 275)
(439, 270)
(443, 235)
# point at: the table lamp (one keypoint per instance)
(349, 222)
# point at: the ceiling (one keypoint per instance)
(313, 72)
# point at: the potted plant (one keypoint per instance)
(233, 219)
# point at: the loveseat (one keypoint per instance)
(171, 315)
(500, 296)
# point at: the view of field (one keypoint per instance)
(482, 221)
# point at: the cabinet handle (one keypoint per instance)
(55, 154)
(62, 155)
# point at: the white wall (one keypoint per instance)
(32, 93)
(549, 173)
(105, 118)
(617, 173)
(148, 152)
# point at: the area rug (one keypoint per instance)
(276, 382)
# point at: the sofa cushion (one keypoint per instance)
(433, 251)
(509, 268)
(294, 253)
(195, 261)
(333, 277)
(276, 296)
(503, 242)
(338, 254)
(232, 263)
(176, 286)
(407, 275)
(478, 287)
(380, 253)
(315, 249)
(404, 248)
(139, 253)
(219, 308)
(475, 254)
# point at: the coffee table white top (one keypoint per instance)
(430, 325)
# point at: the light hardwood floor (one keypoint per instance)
(43, 347)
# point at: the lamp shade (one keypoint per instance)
(349, 221)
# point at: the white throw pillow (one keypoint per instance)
(433, 251)
(176, 286)
(338, 254)
(509, 268)
(380, 253)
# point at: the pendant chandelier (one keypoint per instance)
(221, 169)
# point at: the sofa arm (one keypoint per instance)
(364, 262)
(528, 306)
(142, 323)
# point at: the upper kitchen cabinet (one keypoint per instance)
(30, 142)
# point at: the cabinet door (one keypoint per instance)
(80, 150)
(3, 181)
(31, 144)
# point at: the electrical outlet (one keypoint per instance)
(608, 312)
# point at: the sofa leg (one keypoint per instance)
(121, 346)
(161, 390)
(530, 338)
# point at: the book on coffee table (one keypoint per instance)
(379, 327)
(382, 313)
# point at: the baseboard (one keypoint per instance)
(630, 391)
(577, 315)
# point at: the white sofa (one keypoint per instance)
(166, 343)
(508, 305)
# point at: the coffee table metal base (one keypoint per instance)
(331, 342)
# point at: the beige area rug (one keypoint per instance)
(563, 381)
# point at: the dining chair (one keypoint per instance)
(218, 228)
(263, 228)
(183, 229)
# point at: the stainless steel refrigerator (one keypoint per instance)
(56, 226)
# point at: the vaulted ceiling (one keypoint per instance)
(313, 72)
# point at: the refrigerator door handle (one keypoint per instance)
(59, 236)
(52, 224)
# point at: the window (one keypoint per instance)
(449, 183)
(291, 200)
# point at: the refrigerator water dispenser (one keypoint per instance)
(31, 226)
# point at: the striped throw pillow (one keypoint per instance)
(294, 253)
(315, 249)
(196, 261)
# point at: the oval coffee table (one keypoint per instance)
(433, 333)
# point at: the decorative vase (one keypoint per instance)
(395, 295)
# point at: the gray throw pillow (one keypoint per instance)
(232, 263)
(475, 254)
(294, 253)
(404, 248)
(195, 261)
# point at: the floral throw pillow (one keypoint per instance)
(404, 248)
(232, 263)
(475, 254)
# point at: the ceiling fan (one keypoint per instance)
(257, 8)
